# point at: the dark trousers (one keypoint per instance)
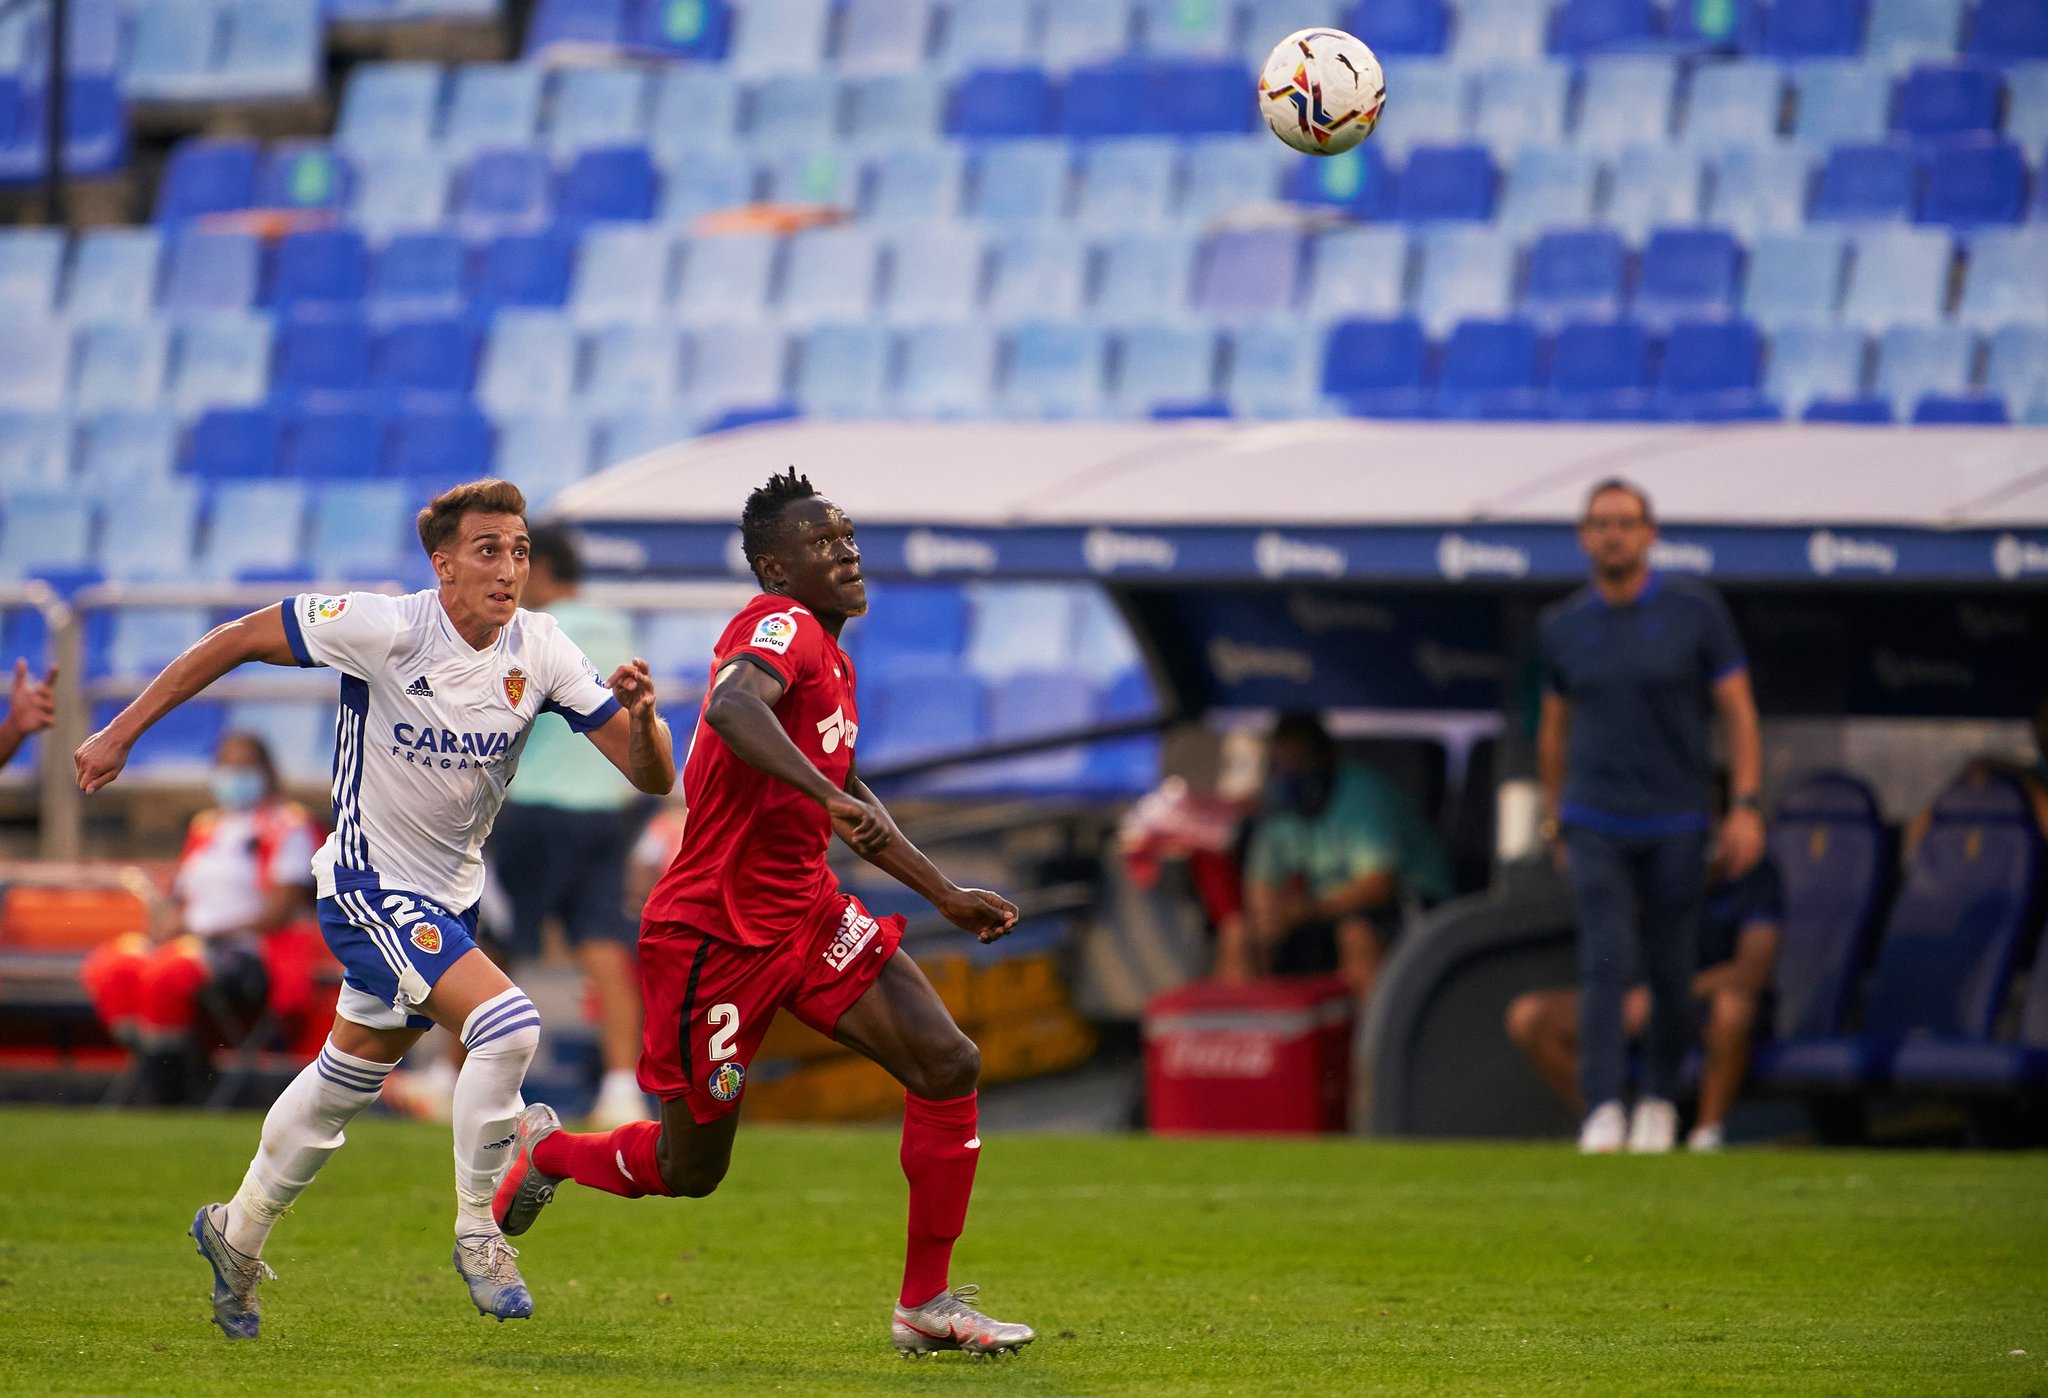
(1635, 892)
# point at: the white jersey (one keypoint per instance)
(429, 733)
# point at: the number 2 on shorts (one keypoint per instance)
(724, 1020)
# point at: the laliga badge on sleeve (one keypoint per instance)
(775, 632)
(318, 610)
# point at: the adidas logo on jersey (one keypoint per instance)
(420, 689)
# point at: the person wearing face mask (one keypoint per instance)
(1335, 850)
(245, 875)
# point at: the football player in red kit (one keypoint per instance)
(748, 920)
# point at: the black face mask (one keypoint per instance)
(1305, 793)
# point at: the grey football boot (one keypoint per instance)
(488, 1264)
(235, 1275)
(947, 1321)
(524, 1191)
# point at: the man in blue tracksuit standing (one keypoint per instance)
(1635, 666)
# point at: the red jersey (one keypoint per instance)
(752, 866)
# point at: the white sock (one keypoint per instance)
(303, 1127)
(501, 1035)
(620, 1082)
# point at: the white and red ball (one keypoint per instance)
(1321, 91)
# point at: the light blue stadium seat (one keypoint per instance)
(503, 191)
(272, 49)
(917, 715)
(113, 274)
(300, 734)
(491, 105)
(1126, 183)
(42, 531)
(529, 364)
(212, 272)
(1145, 275)
(695, 109)
(1916, 360)
(919, 184)
(1841, 102)
(1687, 274)
(143, 640)
(624, 436)
(1427, 105)
(2006, 278)
(842, 370)
(948, 370)
(1267, 22)
(1731, 106)
(2016, 367)
(623, 273)
(1499, 31)
(254, 526)
(1192, 28)
(782, 116)
(121, 365)
(1077, 32)
(2026, 108)
(1760, 189)
(883, 36)
(1904, 32)
(1038, 274)
(1014, 628)
(417, 276)
(35, 450)
(1249, 274)
(1275, 370)
(172, 46)
(1794, 279)
(1518, 107)
(149, 533)
(35, 364)
(1814, 361)
(1028, 704)
(390, 109)
(1466, 274)
(1164, 364)
(1653, 187)
(31, 265)
(818, 175)
(1358, 271)
(681, 643)
(400, 193)
(831, 275)
(1228, 172)
(632, 367)
(706, 181)
(220, 361)
(987, 34)
(1056, 370)
(1898, 276)
(775, 37)
(1021, 181)
(595, 107)
(727, 278)
(118, 451)
(936, 274)
(1575, 275)
(895, 109)
(738, 366)
(1626, 100)
(359, 529)
(1549, 187)
(543, 453)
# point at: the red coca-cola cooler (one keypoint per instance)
(1258, 1056)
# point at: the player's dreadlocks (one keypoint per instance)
(762, 518)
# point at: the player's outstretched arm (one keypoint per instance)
(636, 739)
(741, 711)
(987, 915)
(31, 707)
(257, 636)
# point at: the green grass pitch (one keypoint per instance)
(1148, 1266)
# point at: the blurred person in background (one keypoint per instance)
(2032, 778)
(31, 707)
(561, 843)
(1335, 852)
(1635, 667)
(242, 898)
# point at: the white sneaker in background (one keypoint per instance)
(1605, 1127)
(1654, 1128)
(1705, 1139)
(619, 1101)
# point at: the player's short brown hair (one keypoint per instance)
(442, 518)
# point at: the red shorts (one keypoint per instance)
(709, 1001)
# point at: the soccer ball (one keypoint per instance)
(1321, 91)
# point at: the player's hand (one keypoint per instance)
(861, 824)
(633, 686)
(100, 759)
(987, 915)
(1741, 841)
(32, 703)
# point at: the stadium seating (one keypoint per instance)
(1829, 843)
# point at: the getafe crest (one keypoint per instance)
(726, 1081)
(515, 686)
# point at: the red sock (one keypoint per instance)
(625, 1161)
(940, 1148)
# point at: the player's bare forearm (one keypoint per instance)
(1361, 895)
(635, 739)
(748, 726)
(1737, 702)
(901, 860)
(1550, 749)
(11, 739)
(650, 754)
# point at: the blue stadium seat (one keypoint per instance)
(34, 367)
(148, 533)
(1971, 1067)
(1688, 274)
(113, 273)
(1274, 370)
(1948, 947)
(883, 36)
(738, 367)
(1078, 32)
(492, 106)
(1652, 187)
(1841, 103)
(1492, 32)
(935, 275)
(35, 450)
(180, 745)
(529, 364)
(31, 265)
(1576, 275)
(430, 358)
(895, 108)
(116, 452)
(397, 194)
(212, 272)
(43, 531)
(1868, 184)
(1548, 187)
(1027, 704)
(450, 445)
(324, 267)
(418, 275)
(301, 734)
(221, 361)
(1144, 275)
(1056, 370)
(830, 274)
(594, 22)
(2017, 365)
(1466, 274)
(1733, 105)
(2026, 108)
(1864, 410)
(207, 177)
(1021, 180)
(1246, 274)
(1264, 22)
(614, 184)
(1400, 26)
(725, 278)
(1184, 97)
(1522, 106)
(1794, 278)
(1912, 31)
(695, 30)
(1898, 277)
(1974, 181)
(121, 365)
(1828, 840)
(623, 273)
(1227, 172)
(1377, 367)
(234, 443)
(1358, 272)
(1626, 99)
(597, 107)
(524, 269)
(1581, 27)
(254, 527)
(781, 121)
(774, 37)
(2004, 31)
(323, 356)
(1489, 371)
(1813, 362)
(1946, 100)
(390, 109)
(948, 370)
(1916, 360)
(542, 454)
(706, 183)
(1356, 181)
(143, 641)
(1126, 183)
(334, 444)
(843, 370)
(696, 109)
(171, 50)
(1761, 189)
(504, 191)
(922, 714)
(1431, 107)
(272, 50)
(1710, 371)
(1960, 410)
(1160, 363)
(632, 367)
(305, 175)
(1037, 274)
(1814, 29)
(993, 102)
(916, 185)
(989, 33)
(1446, 183)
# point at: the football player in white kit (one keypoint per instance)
(438, 691)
